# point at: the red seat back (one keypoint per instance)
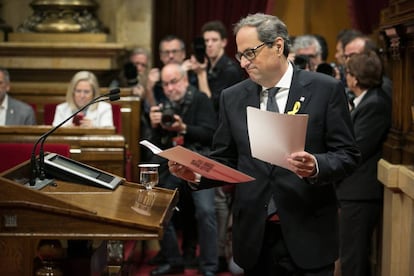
(16, 153)
(49, 113)
(117, 117)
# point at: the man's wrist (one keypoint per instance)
(184, 129)
(194, 184)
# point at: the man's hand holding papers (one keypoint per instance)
(187, 164)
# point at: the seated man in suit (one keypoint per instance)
(12, 111)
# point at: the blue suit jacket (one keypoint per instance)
(308, 211)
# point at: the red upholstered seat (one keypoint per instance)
(49, 113)
(117, 117)
(16, 153)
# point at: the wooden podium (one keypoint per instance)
(72, 211)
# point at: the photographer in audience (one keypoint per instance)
(217, 72)
(172, 50)
(308, 52)
(190, 125)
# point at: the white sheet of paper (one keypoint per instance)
(273, 135)
(199, 163)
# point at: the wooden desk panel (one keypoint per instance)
(71, 211)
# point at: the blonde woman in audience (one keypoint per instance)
(81, 90)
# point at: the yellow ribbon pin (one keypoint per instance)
(295, 109)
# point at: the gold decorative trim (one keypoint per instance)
(63, 16)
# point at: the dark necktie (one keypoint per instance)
(271, 99)
(272, 106)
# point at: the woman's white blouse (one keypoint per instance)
(100, 117)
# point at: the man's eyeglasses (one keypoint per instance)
(249, 54)
(168, 52)
(172, 82)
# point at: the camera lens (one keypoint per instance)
(168, 112)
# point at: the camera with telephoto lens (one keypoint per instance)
(302, 61)
(168, 111)
(131, 74)
(326, 68)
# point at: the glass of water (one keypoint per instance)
(148, 175)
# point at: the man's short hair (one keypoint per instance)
(215, 26)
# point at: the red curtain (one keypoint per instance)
(184, 18)
(365, 14)
(229, 12)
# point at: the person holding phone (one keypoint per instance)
(81, 90)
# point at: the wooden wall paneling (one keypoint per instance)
(396, 170)
(322, 17)
(397, 27)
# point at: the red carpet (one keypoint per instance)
(137, 263)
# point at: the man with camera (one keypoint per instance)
(308, 52)
(185, 119)
(216, 71)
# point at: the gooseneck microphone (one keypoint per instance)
(38, 179)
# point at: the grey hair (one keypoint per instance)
(139, 51)
(169, 38)
(304, 41)
(269, 27)
(6, 74)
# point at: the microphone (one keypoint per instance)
(38, 179)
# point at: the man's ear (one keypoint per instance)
(279, 45)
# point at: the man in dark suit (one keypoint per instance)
(360, 194)
(12, 111)
(302, 238)
(192, 126)
(361, 44)
(219, 71)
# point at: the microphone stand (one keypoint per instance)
(38, 179)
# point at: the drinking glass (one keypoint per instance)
(148, 175)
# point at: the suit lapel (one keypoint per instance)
(299, 96)
(252, 94)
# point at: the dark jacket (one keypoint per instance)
(308, 211)
(372, 120)
(198, 114)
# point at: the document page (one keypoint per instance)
(273, 136)
(199, 163)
